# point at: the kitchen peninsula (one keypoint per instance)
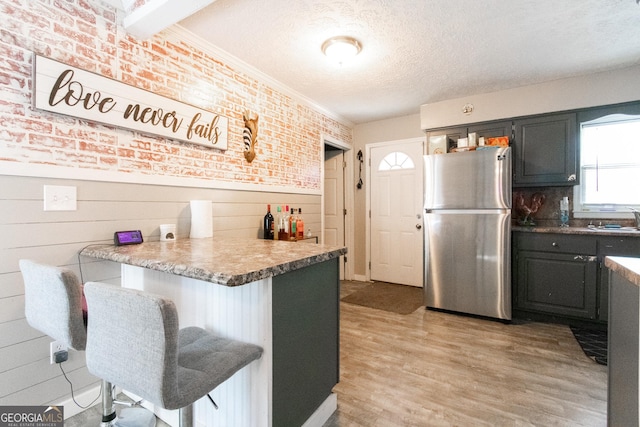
(283, 296)
(624, 327)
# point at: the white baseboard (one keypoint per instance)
(360, 278)
(85, 398)
(323, 413)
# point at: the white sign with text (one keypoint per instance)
(68, 90)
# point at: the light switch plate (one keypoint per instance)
(60, 198)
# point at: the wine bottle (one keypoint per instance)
(300, 225)
(268, 224)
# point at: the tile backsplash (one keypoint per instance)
(548, 213)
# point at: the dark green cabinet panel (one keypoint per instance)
(546, 150)
(305, 340)
(563, 284)
(555, 275)
(622, 389)
(557, 243)
(492, 129)
(563, 276)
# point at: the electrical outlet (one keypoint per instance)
(54, 347)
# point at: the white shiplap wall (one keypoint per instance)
(27, 231)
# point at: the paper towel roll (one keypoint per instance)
(201, 219)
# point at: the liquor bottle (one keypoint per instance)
(292, 226)
(284, 226)
(268, 224)
(300, 225)
(276, 228)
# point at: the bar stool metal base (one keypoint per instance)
(134, 416)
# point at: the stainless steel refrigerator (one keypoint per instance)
(468, 232)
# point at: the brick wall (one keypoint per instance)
(85, 34)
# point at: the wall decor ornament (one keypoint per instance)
(63, 89)
(525, 213)
(250, 135)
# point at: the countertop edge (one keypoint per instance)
(585, 231)
(627, 267)
(305, 257)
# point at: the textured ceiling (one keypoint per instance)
(421, 51)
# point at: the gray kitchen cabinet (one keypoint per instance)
(562, 276)
(546, 150)
(487, 130)
(492, 129)
(612, 246)
(556, 275)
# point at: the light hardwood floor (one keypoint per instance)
(438, 369)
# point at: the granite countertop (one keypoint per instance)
(629, 268)
(229, 262)
(624, 231)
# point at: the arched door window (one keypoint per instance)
(396, 161)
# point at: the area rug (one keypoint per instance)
(593, 343)
(399, 299)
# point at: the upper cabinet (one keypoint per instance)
(546, 150)
(486, 130)
(492, 129)
(443, 140)
(545, 147)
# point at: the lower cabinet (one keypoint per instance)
(306, 340)
(556, 274)
(557, 283)
(562, 276)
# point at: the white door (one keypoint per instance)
(334, 200)
(396, 201)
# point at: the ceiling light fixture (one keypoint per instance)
(341, 49)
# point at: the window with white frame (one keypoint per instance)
(396, 161)
(609, 167)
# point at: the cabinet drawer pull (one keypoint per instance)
(554, 244)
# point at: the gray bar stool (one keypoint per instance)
(53, 304)
(168, 366)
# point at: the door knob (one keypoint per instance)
(419, 226)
